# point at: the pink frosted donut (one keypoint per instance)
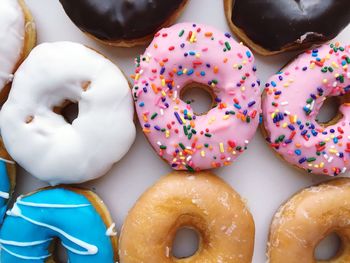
(188, 53)
(292, 100)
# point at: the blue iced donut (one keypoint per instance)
(76, 217)
(7, 179)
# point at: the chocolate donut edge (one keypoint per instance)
(126, 43)
(291, 46)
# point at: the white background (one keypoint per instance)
(261, 178)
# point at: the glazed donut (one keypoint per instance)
(189, 54)
(17, 38)
(78, 218)
(7, 179)
(56, 151)
(271, 27)
(123, 23)
(306, 219)
(291, 102)
(201, 201)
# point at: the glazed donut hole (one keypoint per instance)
(329, 248)
(194, 225)
(186, 242)
(200, 97)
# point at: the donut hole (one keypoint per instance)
(60, 252)
(328, 248)
(69, 110)
(186, 243)
(200, 97)
(329, 112)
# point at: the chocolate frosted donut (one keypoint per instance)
(271, 27)
(122, 22)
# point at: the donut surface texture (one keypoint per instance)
(17, 38)
(291, 103)
(7, 179)
(59, 152)
(271, 27)
(190, 54)
(77, 217)
(201, 201)
(306, 219)
(123, 22)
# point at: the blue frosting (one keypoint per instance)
(4, 188)
(37, 219)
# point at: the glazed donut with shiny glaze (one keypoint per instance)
(17, 38)
(123, 23)
(201, 201)
(306, 219)
(271, 27)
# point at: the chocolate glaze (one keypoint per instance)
(277, 24)
(115, 20)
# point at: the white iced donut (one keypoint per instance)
(17, 37)
(42, 141)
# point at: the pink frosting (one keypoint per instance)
(291, 105)
(186, 53)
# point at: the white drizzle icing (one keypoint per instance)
(64, 206)
(24, 257)
(12, 33)
(4, 195)
(7, 161)
(24, 244)
(111, 230)
(89, 248)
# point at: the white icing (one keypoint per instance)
(4, 195)
(22, 256)
(20, 202)
(111, 230)
(89, 249)
(24, 244)
(7, 161)
(56, 151)
(304, 37)
(11, 38)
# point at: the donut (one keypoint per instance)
(17, 38)
(77, 217)
(272, 27)
(123, 23)
(192, 54)
(59, 152)
(306, 219)
(201, 201)
(291, 102)
(7, 179)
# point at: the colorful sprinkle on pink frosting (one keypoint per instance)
(293, 98)
(189, 53)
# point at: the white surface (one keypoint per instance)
(258, 175)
